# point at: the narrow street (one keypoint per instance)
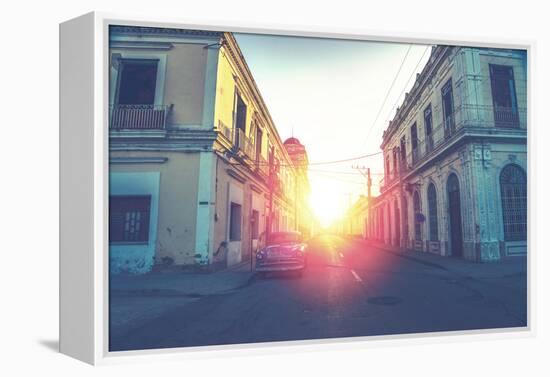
(349, 289)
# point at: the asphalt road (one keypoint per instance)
(347, 290)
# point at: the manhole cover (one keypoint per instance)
(384, 300)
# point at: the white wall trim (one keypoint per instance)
(204, 233)
(210, 86)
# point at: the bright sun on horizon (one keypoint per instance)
(327, 204)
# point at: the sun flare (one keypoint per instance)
(327, 204)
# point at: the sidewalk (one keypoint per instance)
(507, 267)
(181, 283)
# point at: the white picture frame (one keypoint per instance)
(84, 94)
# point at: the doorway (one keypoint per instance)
(397, 225)
(455, 216)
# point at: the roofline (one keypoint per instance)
(241, 63)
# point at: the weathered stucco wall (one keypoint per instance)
(186, 68)
(176, 225)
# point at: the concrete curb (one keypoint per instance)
(173, 292)
(403, 254)
(237, 266)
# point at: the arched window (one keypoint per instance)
(513, 189)
(432, 212)
(417, 224)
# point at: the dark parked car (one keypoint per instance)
(284, 251)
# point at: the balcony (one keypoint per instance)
(478, 119)
(244, 144)
(138, 117)
(450, 126)
(506, 117)
(262, 166)
(415, 155)
(429, 143)
(225, 131)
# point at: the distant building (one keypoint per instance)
(192, 149)
(356, 219)
(455, 158)
(304, 221)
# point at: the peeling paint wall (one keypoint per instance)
(175, 229)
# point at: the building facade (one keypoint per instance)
(357, 218)
(304, 220)
(455, 158)
(198, 171)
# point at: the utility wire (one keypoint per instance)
(340, 172)
(314, 163)
(408, 81)
(388, 93)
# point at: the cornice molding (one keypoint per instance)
(126, 29)
(141, 45)
(138, 160)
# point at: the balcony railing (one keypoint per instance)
(506, 117)
(415, 155)
(463, 117)
(429, 143)
(450, 126)
(225, 131)
(138, 117)
(262, 165)
(244, 144)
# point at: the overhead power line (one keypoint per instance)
(388, 93)
(345, 160)
(408, 81)
(316, 163)
(340, 172)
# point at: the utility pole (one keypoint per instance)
(365, 172)
(270, 188)
(295, 200)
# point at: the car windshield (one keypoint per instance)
(278, 238)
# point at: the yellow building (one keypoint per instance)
(192, 151)
(356, 220)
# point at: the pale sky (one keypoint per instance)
(327, 93)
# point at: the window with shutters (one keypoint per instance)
(129, 218)
(403, 148)
(414, 143)
(448, 108)
(503, 90)
(428, 127)
(240, 112)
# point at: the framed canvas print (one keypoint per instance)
(225, 187)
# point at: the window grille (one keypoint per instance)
(513, 188)
(129, 218)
